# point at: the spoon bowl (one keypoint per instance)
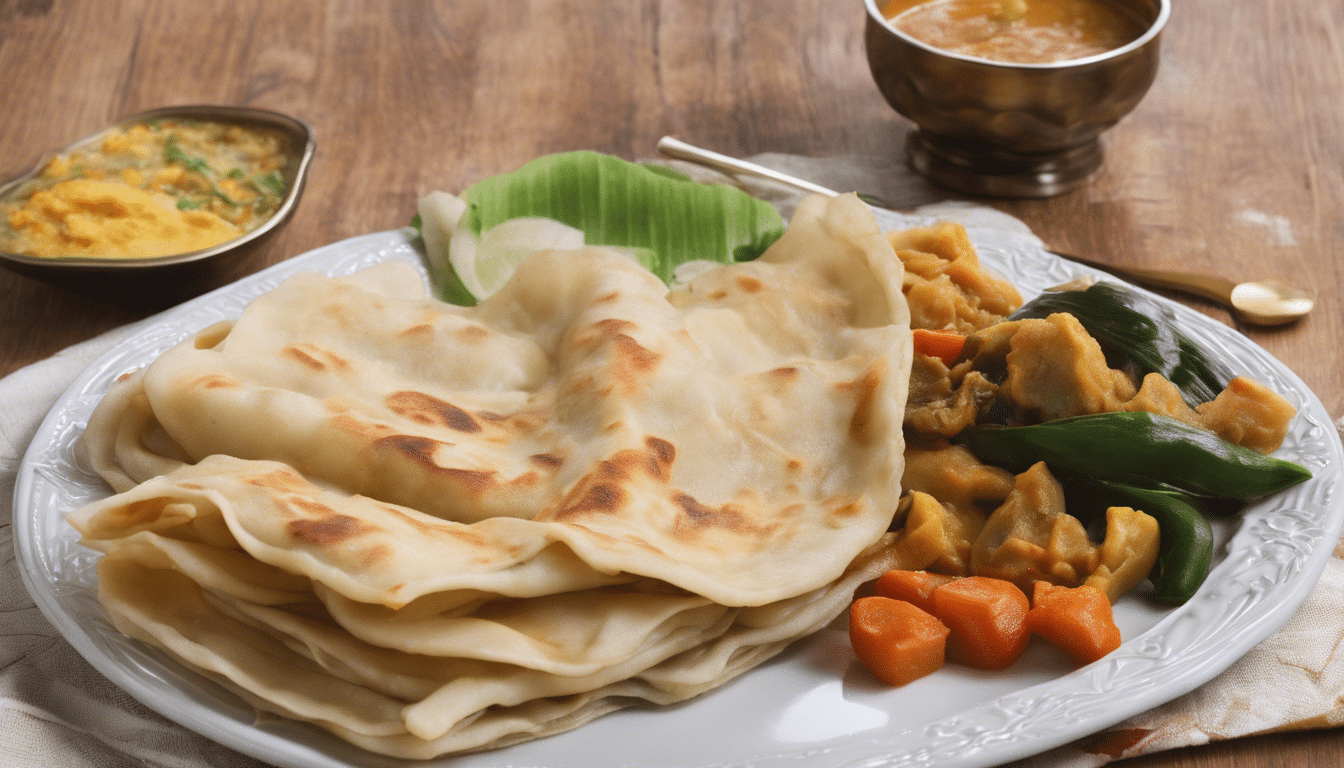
(1269, 302)
(1256, 302)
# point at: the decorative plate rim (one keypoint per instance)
(1272, 561)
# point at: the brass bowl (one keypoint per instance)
(164, 280)
(1004, 129)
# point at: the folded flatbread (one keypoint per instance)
(432, 529)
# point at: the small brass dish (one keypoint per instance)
(164, 280)
(1010, 130)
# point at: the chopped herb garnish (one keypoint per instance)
(174, 154)
(270, 182)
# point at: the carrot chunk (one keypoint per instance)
(896, 641)
(944, 345)
(987, 618)
(915, 587)
(1078, 620)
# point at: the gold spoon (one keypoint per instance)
(1259, 302)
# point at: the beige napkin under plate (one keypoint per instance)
(57, 711)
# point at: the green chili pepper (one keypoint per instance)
(1139, 448)
(1185, 543)
(1138, 335)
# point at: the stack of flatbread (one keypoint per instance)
(430, 528)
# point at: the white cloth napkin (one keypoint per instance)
(56, 710)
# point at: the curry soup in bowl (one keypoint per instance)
(1009, 97)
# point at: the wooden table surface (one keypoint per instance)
(1234, 163)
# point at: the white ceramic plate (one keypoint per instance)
(812, 705)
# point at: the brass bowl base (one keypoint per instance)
(992, 172)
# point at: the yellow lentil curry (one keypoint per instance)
(151, 189)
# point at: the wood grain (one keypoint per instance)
(1231, 164)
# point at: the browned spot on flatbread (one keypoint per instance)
(601, 490)
(279, 480)
(436, 528)
(607, 298)
(472, 334)
(350, 424)
(750, 284)
(135, 514)
(661, 455)
(315, 359)
(325, 531)
(338, 405)
(629, 357)
(632, 354)
(717, 295)
(431, 411)
(419, 329)
(696, 517)
(851, 509)
(376, 554)
(612, 326)
(471, 479)
(600, 498)
(785, 372)
(215, 381)
(546, 459)
(865, 400)
(309, 506)
(421, 451)
(523, 421)
(700, 515)
(525, 480)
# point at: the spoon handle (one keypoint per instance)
(683, 151)
(1214, 287)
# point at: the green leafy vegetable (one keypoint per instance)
(664, 218)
